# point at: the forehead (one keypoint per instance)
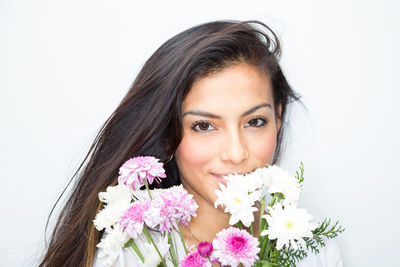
(235, 87)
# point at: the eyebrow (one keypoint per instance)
(211, 115)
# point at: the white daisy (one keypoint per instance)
(288, 225)
(238, 201)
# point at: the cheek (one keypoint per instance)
(264, 149)
(192, 155)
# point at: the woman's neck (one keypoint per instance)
(208, 222)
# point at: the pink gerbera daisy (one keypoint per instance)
(233, 246)
(193, 259)
(136, 170)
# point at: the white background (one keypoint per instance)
(65, 65)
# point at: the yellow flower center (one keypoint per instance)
(289, 224)
(237, 199)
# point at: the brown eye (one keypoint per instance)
(202, 126)
(256, 123)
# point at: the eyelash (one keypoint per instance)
(196, 124)
(263, 123)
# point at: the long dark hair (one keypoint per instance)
(148, 121)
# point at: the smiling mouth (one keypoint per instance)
(231, 173)
(222, 180)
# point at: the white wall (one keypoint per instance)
(65, 65)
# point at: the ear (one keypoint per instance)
(278, 117)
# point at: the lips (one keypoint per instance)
(221, 179)
(226, 174)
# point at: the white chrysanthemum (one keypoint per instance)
(254, 181)
(288, 225)
(152, 258)
(283, 182)
(238, 201)
(118, 199)
(262, 179)
(118, 193)
(111, 245)
(110, 215)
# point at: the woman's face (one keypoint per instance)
(229, 125)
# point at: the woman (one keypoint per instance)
(210, 101)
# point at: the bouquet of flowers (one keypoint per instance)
(149, 221)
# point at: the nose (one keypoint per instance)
(234, 149)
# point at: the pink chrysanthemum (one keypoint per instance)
(233, 246)
(176, 207)
(139, 213)
(135, 170)
(193, 259)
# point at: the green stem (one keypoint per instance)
(266, 242)
(147, 188)
(262, 212)
(261, 226)
(136, 249)
(263, 247)
(267, 249)
(172, 251)
(176, 248)
(273, 200)
(148, 236)
(182, 239)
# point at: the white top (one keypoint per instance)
(329, 256)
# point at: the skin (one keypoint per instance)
(229, 125)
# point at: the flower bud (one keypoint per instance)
(205, 249)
